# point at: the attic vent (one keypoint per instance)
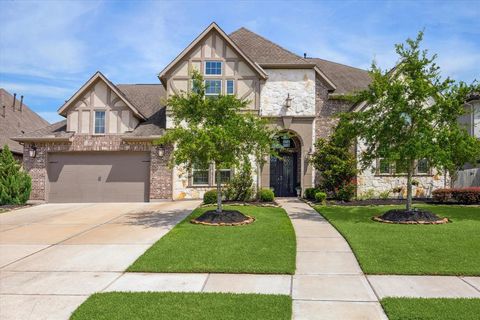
(305, 55)
(3, 111)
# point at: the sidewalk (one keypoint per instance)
(328, 283)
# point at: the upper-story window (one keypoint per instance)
(213, 67)
(99, 122)
(213, 87)
(230, 87)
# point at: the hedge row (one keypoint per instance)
(460, 195)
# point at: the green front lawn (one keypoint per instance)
(431, 309)
(266, 246)
(449, 249)
(183, 306)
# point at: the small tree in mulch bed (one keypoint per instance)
(411, 113)
(15, 184)
(215, 130)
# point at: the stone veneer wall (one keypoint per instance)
(160, 174)
(372, 184)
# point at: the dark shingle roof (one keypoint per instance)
(56, 130)
(346, 79)
(15, 122)
(147, 98)
(263, 51)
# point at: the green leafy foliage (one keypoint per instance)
(215, 129)
(210, 197)
(412, 113)
(240, 186)
(321, 197)
(336, 163)
(15, 184)
(310, 193)
(266, 195)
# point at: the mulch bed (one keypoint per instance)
(379, 202)
(226, 218)
(415, 216)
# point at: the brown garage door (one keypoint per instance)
(98, 176)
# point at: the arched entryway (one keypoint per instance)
(285, 170)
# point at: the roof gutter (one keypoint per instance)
(41, 139)
(141, 138)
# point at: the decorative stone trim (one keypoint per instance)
(441, 221)
(222, 224)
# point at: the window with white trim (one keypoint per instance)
(230, 87)
(99, 122)
(213, 67)
(423, 167)
(213, 87)
(384, 167)
(225, 175)
(200, 176)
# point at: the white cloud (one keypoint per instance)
(38, 90)
(41, 39)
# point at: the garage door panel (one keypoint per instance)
(98, 177)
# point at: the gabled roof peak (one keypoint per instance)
(96, 76)
(212, 26)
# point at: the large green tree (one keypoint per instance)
(411, 113)
(215, 130)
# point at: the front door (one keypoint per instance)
(283, 175)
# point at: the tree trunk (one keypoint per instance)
(411, 167)
(219, 190)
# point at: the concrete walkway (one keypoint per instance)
(328, 283)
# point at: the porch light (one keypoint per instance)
(32, 152)
(161, 152)
(288, 101)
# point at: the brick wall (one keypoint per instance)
(160, 174)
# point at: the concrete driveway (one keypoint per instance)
(53, 256)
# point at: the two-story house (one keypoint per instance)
(103, 151)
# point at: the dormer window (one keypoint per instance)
(213, 67)
(99, 122)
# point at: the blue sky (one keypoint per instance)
(49, 49)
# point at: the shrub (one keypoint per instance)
(210, 197)
(335, 162)
(321, 197)
(266, 195)
(15, 184)
(461, 195)
(240, 186)
(310, 193)
(467, 195)
(442, 195)
(346, 192)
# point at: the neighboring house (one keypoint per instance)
(16, 118)
(470, 175)
(103, 151)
